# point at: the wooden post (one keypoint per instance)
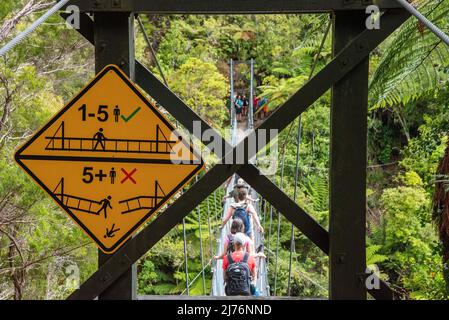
(348, 168)
(114, 44)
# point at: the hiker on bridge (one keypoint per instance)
(245, 106)
(245, 211)
(229, 105)
(234, 193)
(237, 226)
(264, 105)
(255, 107)
(239, 269)
(238, 103)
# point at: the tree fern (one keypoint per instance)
(415, 61)
(317, 190)
(372, 255)
(293, 73)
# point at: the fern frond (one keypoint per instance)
(415, 61)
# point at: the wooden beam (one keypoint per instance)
(229, 6)
(348, 168)
(114, 44)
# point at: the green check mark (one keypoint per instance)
(126, 119)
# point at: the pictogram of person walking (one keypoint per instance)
(105, 204)
(116, 113)
(100, 139)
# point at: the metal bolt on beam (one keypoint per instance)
(341, 258)
(116, 3)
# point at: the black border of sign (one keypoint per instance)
(18, 157)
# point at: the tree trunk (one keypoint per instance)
(441, 211)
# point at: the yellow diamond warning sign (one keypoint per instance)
(110, 159)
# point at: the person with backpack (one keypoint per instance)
(239, 108)
(237, 226)
(245, 211)
(239, 269)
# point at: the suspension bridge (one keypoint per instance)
(111, 29)
(100, 143)
(261, 281)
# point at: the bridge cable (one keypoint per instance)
(292, 237)
(153, 53)
(281, 186)
(298, 149)
(437, 31)
(209, 226)
(185, 256)
(269, 232)
(201, 245)
(197, 276)
(205, 266)
(283, 154)
(25, 33)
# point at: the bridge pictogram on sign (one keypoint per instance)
(110, 159)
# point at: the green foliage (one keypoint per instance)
(317, 191)
(423, 153)
(414, 63)
(162, 269)
(203, 88)
(39, 246)
(372, 255)
(279, 90)
(409, 240)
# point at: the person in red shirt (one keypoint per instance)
(255, 105)
(239, 252)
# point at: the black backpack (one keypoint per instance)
(238, 281)
(242, 214)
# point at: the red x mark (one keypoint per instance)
(129, 176)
